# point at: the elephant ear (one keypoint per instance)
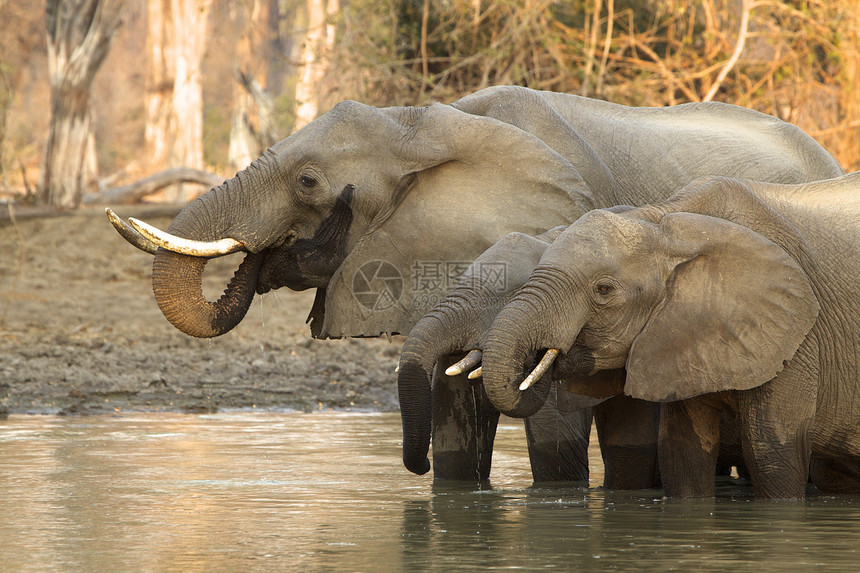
(737, 306)
(471, 181)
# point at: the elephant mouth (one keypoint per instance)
(287, 262)
(578, 361)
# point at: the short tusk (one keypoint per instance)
(185, 246)
(472, 359)
(129, 234)
(540, 369)
(476, 373)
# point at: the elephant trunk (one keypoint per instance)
(434, 336)
(177, 285)
(520, 331)
(177, 278)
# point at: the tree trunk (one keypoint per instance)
(174, 108)
(250, 129)
(79, 34)
(190, 18)
(159, 82)
(316, 51)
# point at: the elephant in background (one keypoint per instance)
(733, 297)
(357, 202)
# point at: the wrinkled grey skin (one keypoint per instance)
(730, 297)
(442, 184)
(627, 428)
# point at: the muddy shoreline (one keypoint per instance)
(80, 333)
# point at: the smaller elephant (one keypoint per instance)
(733, 298)
(459, 323)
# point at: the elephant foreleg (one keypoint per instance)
(558, 442)
(776, 422)
(464, 426)
(627, 429)
(688, 445)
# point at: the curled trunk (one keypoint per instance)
(508, 354)
(220, 214)
(177, 285)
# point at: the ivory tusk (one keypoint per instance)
(540, 369)
(476, 373)
(185, 246)
(472, 359)
(129, 234)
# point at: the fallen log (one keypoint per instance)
(134, 192)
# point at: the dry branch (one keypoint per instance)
(134, 192)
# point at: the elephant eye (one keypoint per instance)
(307, 181)
(603, 288)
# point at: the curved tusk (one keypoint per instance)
(476, 373)
(129, 234)
(185, 246)
(540, 369)
(472, 359)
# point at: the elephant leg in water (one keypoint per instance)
(464, 426)
(626, 429)
(464, 429)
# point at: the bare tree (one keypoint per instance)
(159, 81)
(316, 52)
(174, 124)
(251, 128)
(79, 34)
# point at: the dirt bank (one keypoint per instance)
(80, 333)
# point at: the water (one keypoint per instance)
(326, 492)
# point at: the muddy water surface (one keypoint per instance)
(326, 492)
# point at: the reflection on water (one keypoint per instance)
(326, 492)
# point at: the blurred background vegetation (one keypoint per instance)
(269, 66)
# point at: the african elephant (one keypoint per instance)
(376, 207)
(732, 296)
(460, 320)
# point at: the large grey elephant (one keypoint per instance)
(376, 208)
(731, 296)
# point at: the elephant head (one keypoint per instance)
(359, 185)
(687, 303)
